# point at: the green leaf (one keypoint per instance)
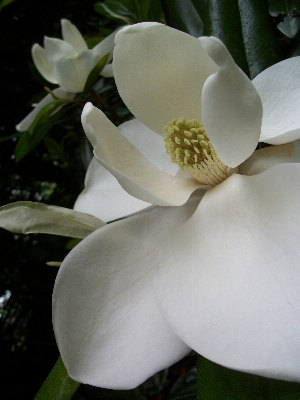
(5, 3)
(44, 114)
(116, 10)
(244, 26)
(27, 142)
(186, 387)
(29, 217)
(290, 11)
(215, 382)
(94, 74)
(9, 137)
(182, 15)
(58, 385)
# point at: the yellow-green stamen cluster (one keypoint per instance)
(189, 146)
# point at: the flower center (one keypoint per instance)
(189, 146)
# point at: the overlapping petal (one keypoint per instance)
(281, 101)
(57, 49)
(231, 107)
(160, 73)
(117, 329)
(104, 197)
(72, 72)
(265, 158)
(135, 173)
(228, 279)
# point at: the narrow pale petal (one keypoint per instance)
(160, 73)
(228, 280)
(72, 73)
(279, 89)
(106, 46)
(232, 109)
(72, 36)
(62, 94)
(42, 64)
(56, 49)
(107, 71)
(104, 197)
(135, 173)
(265, 158)
(109, 330)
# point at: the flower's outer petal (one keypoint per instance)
(72, 73)
(106, 46)
(160, 73)
(72, 36)
(279, 89)
(149, 144)
(229, 278)
(104, 197)
(56, 49)
(42, 64)
(135, 173)
(109, 330)
(107, 71)
(232, 109)
(60, 93)
(265, 158)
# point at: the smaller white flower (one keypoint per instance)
(68, 62)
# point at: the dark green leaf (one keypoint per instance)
(28, 142)
(222, 20)
(182, 15)
(94, 74)
(124, 10)
(186, 387)
(142, 8)
(289, 10)
(58, 385)
(9, 137)
(245, 27)
(259, 34)
(44, 114)
(5, 3)
(215, 382)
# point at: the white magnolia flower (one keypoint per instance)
(68, 62)
(221, 273)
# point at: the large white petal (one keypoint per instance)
(104, 197)
(229, 279)
(265, 158)
(136, 174)
(60, 93)
(72, 73)
(109, 330)
(232, 109)
(42, 64)
(56, 49)
(279, 89)
(160, 73)
(72, 36)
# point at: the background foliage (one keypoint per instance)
(49, 166)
